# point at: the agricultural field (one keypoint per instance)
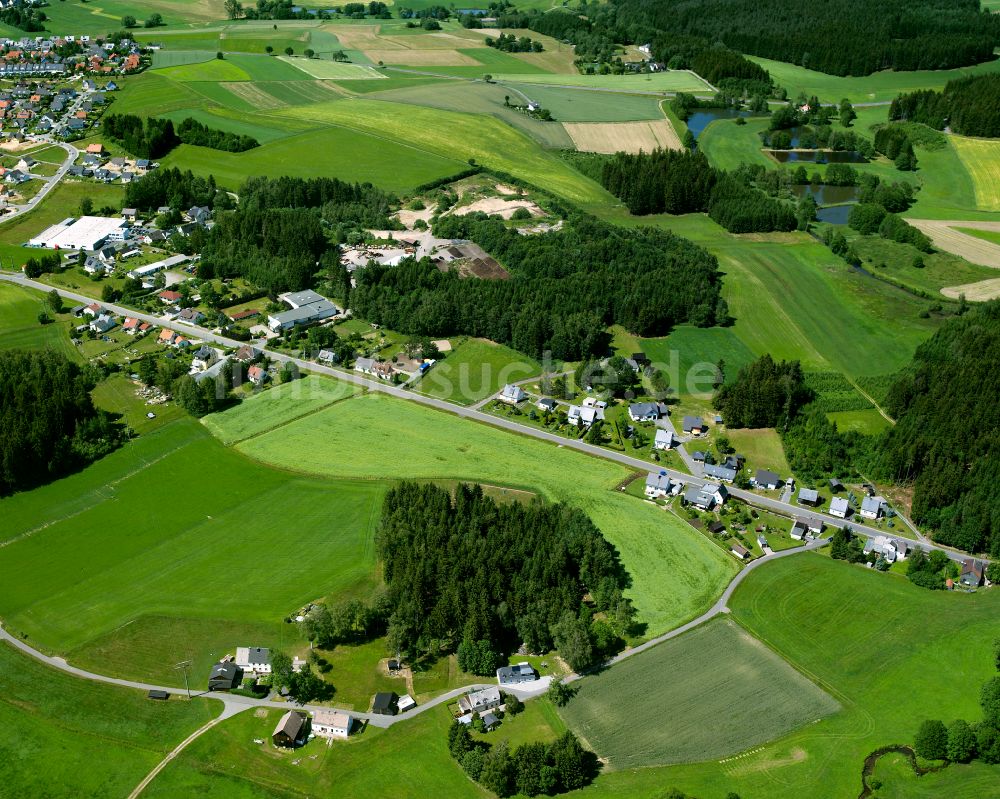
(79, 17)
(568, 104)
(726, 693)
(58, 724)
(630, 137)
(981, 158)
(868, 422)
(762, 449)
(991, 234)
(19, 327)
(676, 572)
(474, 370)
(158, 547)
(672, 81)
(333, 70)
(857, 634)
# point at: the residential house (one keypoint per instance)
(644, 411)
(364, 365)
(972, 573)
(763, 543)
(740, 551)
(199, 214)
(292, 729)
(808, 496)
(766, 479)
(225, 676)
(129, 214)
(246, 354)
(191, 315)
(95, 266)
(657, 485)
(204, 357)
(663, 439)
(707, 496)
(835, 485)
(698, 456)
(330, 723)
(490, 721)
(95, 149)
(167, 337)
(804, 526)
(327, 356)
(257, 376)
(716, 527)
(254, 658)
(383, 370)
(169, 296)
(512, 394)
(103, 323)
(512, 675)
(547, 405)
(93, 310)
(840, 507)
(719, 472)
(384, 703)
(131, 325)
(694, 425)
(405, 703)
(888, 548)
(480, 701)
(873, 507)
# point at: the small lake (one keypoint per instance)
(817, 156)
(701, 118)
(828, 195)
(834, 214)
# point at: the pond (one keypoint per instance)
(701, 118)
(828, 195)
(817, 156)
(834, 214)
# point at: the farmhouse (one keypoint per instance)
(873, 507)
(224, 676)
(384, 703)
(839, 507)
(254, 658)
(512, 675)
(766, 479)
(808, 496)
(306, 306)
(83, 233)
(657, 485)
(707, 496)
(972, 573)
(292, 729)
(644, 411)
(694, 425)
(330, 723)
(663, 439)
(512, 394)
(480, 701)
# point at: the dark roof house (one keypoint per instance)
(292, 729)
(224, 677)
(384, 703)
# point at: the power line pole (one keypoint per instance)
(183, 666)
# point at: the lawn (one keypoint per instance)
(19, 327)
(676, 572)
(458, 136)
(476, 369)
(981, 157)
(277, 406)
(861, 636)
(676, 81)
(175, 525)
(879, 87)
(868, 422)
(762, 449)
(726, 693)
(351, 155)
(116, 393)
(688, 356)
(727, 145)
(68, 737)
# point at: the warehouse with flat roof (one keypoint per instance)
(81, 233)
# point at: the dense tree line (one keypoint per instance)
(946, 433)
(872, 218)
(509, 43)
(26, 19)
(960, 741)
(173, 188)
(681, 181)
(840, 37)
(566, 287)
(969, 106)
(529, 770)
(149, 138)
(765, 393)
(468, 572)
(816, 449)
(191, 131)
(48, 424)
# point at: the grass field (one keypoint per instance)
(679, 81)
(474, 370)
(879, 87)
(77, 17)
(689, 355)
(726, 693)
(276, 406)
(333, 70)
(981, 158)
(568, 104)
(175, 525)
(224, 119)
(68, 737)
(727, 145)
(860, 635)
(629, 137)
(992, 236)
(675, 571)
(762, 449)
(868, 422)
(19, 327)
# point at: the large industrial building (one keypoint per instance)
(82, 233)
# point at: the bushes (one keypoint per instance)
(895, 228)
(931, 742)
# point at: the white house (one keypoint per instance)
(872, 507)
(888, 548)
(707, 496)
(405, 703)
(657, 485)
(330, 723)
(364, 365)
(512, 394)
(767, 479)
(479, 701)
(839, 507)
(664, 439)
(644, 411)
(546, 404)
(204, 357)
(254, 658)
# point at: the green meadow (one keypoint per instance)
(676, 572)
(878, 645)
(675, 81)
(73, 738)
(689, 356)
(19, 327)
(474, 370)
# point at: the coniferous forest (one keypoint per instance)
(470, 574)
(48, 424)
(969, 106)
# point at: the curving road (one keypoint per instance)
(50, 183)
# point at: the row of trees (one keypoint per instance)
(566, 287)
(149, 138)
(48, 423)
(872, 218)
(681, 181)
(470, 575)
(191, 131)
(970, 106)
(509, 43)
(176, 189)
(529, 770)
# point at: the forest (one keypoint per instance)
(764, 394)
(191, 131)
(179, 190)
(468, 574)
(681, 182)
(947, 431)
(968, 106)
(566, 287)
(149, 138)
(839, 37)
(48, 424)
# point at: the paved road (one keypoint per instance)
(358, 379)
(50, 183)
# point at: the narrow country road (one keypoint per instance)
(638, 464)
(50, 183)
